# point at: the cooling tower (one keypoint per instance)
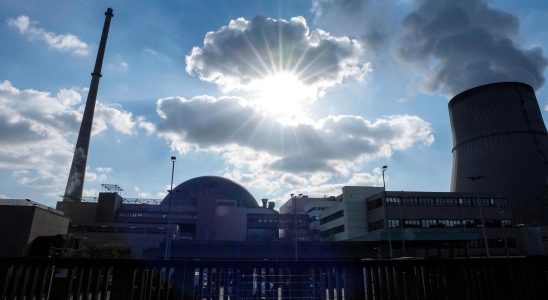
(499, 134)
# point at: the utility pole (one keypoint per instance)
(475, 179)
(167, 253)
(386, 213)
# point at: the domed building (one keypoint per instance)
(210, 188)
(216, 208)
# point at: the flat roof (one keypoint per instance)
(29, 203)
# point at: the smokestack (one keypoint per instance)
(264, 202)
(75, 182)
(271, 204)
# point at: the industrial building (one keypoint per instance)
(433, 223)
(23, 220)
(206, 208)
(417, 224)
(500, 167)
(500, 145)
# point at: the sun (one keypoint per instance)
(282, 93)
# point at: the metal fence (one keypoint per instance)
(37, 278)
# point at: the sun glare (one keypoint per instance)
(282, 93)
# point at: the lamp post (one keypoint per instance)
(386, 213)
(295, 234)
(502, 212)
(475, 179)
(401, 227)
(167, 253)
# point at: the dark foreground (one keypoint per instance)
(494, 278)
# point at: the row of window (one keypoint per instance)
(333, 231)
(377, 225)
(332, 217)
(445, 201)
(315, 208)
(160, 215)
(110, 229)
(440, 223)
(493, 243)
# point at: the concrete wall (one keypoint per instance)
(498, 133)
(78, 211)
(47, 223)
(21, 222)
(15, 224)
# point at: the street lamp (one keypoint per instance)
(295, 234)
(384, 183)
(475, 179)
(386, 213)
(167, 254)
(502, 212)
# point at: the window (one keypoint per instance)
(374, 204)
(332, 217)
(391, 201)
(393, 223)
(333, 231)
(378, 225)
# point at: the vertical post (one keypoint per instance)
(475, 179)
(295, 235)
(75, 182)
(167, 253)
(401, 228)
(386, 213)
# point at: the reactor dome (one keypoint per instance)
(210, 188)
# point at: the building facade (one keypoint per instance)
(205, 208)
(23, 221)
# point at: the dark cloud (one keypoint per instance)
(243, 51)
(370, 21)
(467, 43)
(209, 123)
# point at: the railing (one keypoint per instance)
(37, 278)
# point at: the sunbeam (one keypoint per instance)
(281, 93)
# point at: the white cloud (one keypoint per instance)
(4, 196)
(118, 64)
(141, 194)
(320, 156)
(246, 51)
(156, 54)
(36, 128)
(331, 144)
(62, 42)
(103, 170)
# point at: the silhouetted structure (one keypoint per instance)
(206, 208)
(515, 278)
(22, 221)
(499, 136)
(75, 183)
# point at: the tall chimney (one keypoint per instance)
(75, 182)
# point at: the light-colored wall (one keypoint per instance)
(47, 223)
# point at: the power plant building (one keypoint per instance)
(206, 208)
(500, 145)
(23, 220)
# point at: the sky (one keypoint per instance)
(282, 97)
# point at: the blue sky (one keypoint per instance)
(283, 96)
